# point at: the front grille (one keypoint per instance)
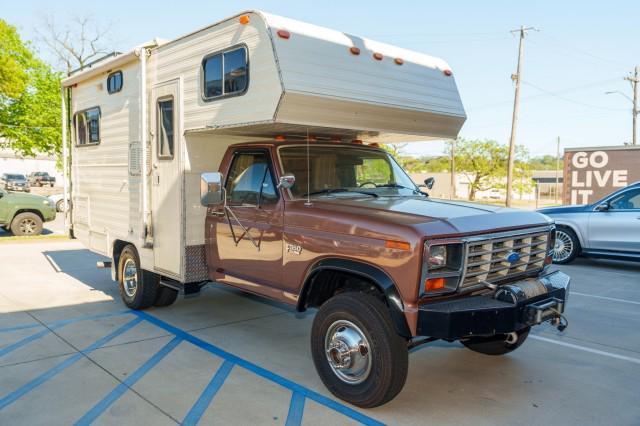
(486, 258)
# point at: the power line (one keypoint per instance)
(556, 95)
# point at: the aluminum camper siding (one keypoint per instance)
(106, 199)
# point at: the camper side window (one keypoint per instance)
(165, 128)
(114, 82)
(225, 73)
(87, 127)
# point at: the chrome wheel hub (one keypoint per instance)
(130, 277)
(28, 226)
(563, 247)
(348, 352)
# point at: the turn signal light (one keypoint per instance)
(244, 19)
(434, 284)
(400, 245)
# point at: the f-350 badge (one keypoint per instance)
(294, 248)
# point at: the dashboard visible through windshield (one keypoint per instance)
(344, 169)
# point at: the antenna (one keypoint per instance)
(308, 203)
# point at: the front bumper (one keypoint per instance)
(49, 213)
(496, 313)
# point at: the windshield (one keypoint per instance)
(340, 170)
(16, 177)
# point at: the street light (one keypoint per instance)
(619, 93)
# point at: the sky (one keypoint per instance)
(582, 50)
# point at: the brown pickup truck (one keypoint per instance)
(341, 228)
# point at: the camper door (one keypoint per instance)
(166, 182)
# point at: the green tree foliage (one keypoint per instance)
(484, 163)
(545, 162)
(29, 98)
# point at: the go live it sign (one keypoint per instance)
(592, 173)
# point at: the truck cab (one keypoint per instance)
(342, 228)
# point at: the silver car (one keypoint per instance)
(609, 228)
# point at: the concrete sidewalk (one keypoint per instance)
(70, 352)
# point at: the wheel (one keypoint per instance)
(60, 206)
(166, 296)
(356, 350)
(138, 288)
(26, 224)
(567, 246)
(496, 345)
(51, 184)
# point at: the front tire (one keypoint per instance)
(496, 345)
(26, 224)
(567, 246)
(138, 288)
(356, 350)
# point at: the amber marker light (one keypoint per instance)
(398, 61)
(354, 50)
(448, 73)
(284, 34)
(244, 19)
(432, 284)
(280, 138)
(357, 141)
(378, 56)
(399, 245)
(374, 145)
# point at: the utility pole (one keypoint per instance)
(557, 170)
(452, 190)
(516, 106)
(633, 79)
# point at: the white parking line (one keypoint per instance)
(585, 349)
(613, 299)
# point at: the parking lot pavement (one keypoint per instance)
(71, 353)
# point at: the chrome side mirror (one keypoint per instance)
(603, 207)
(428, 182)
(211, 191)
(287, 181)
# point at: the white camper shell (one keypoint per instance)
(246, 78)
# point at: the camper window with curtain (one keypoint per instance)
(87, 126)
(225, 73)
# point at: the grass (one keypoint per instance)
(33, 239)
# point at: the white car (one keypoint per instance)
(58, 201)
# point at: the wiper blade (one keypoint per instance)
(335, 190)
(397, 185)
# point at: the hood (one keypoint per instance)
(26, 198)
(436, 217)
(564, 209)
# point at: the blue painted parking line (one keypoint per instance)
(198, 409)
(115, 394)
(61, 323)
(23, 342)
(296, 410)
(25, 389)
(293, 386)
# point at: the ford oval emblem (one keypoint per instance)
(512, 257)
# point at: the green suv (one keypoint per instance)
(24, 214)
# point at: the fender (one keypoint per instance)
(380, 278)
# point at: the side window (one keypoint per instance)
(87, 127)
(114, 82)
(630, 200)
(250, 181)
(165, 128)
(225, 73)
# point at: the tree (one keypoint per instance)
(77, 43)
(484, 163)
(545, 162)
(29, 98)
